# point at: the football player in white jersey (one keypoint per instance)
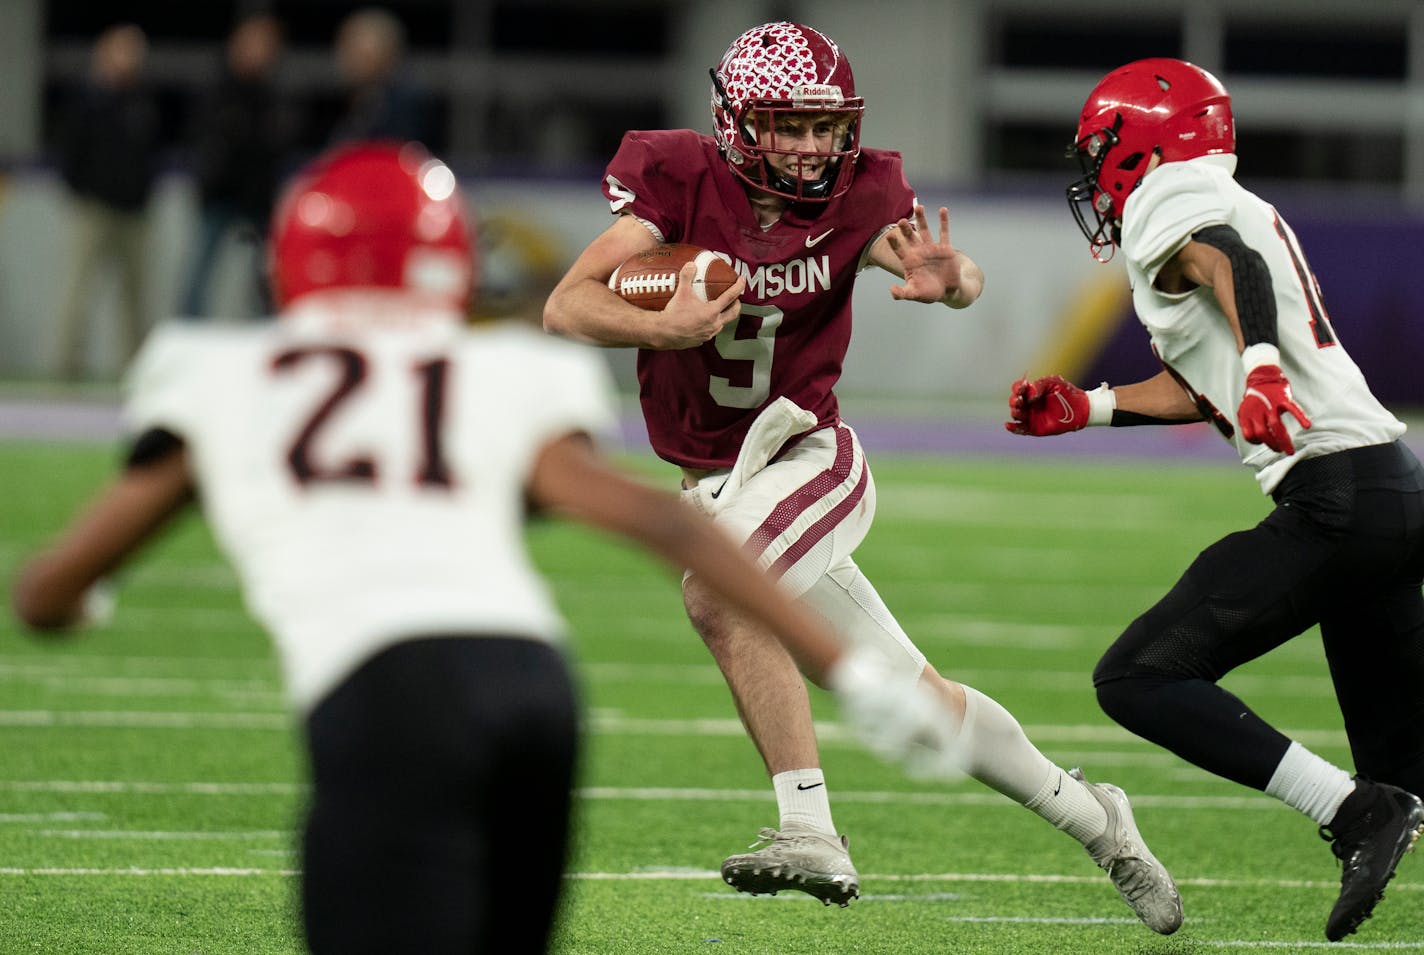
(1237, 319)
(367, 463)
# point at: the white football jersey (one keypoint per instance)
(368, 483)
(1194, 340)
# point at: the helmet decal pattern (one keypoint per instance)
(776, 68)
(770, 62)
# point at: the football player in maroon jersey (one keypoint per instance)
(739, 394)
(367, 462)
(1237, 319)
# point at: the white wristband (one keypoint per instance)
(96, 607)
(1101, 405)
(1260, 354)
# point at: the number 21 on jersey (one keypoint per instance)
(430, 471)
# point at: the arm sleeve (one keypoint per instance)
(1132, 419)
(153, 445)
(1251, 283)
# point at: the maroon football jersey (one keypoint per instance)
(795, 326)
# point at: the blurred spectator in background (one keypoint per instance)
(107, 152)
(381, 101)
(242, 139)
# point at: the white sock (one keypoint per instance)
(1306, 782)
(1000, 756)
(801, 797)
(1070, 806)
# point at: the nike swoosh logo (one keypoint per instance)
(1067, 408)
(810, 242)
(803, 786)
(1059, 788)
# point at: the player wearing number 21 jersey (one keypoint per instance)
(396, 417)
(1239, 323)
(739, 393)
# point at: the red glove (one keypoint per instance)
(1268, 396)
(1046, 406)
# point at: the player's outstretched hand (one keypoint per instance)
(687, 321)
(899, 718)
(932, 268)
(1268, 397)
(1045, 406)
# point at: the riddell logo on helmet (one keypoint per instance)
(817, 94)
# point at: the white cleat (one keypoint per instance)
(816, 863)
(1140, 879)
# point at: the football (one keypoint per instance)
(648, 279)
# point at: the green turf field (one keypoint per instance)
(149, 780)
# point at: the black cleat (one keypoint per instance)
(1372, 830)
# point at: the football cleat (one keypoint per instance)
(1373, 829)
(1139, 878)
(816, 863)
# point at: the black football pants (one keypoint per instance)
(440, 801)
(1344, 548)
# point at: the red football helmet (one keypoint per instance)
(1162, 106)
(779, 68)
(373, 215)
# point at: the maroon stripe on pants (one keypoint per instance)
(820, 529)
(806, 496)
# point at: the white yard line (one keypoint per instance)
(979, 797)
(55, 673)
(697, 875)
(105, 786)
(162, 835)
(604, 722)
(684, 875)
(138, 871)
(1036, 920)
(130, 719)
(136, 664)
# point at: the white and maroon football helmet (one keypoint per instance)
(1161, 106)
(778, 68)
(379, 215)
